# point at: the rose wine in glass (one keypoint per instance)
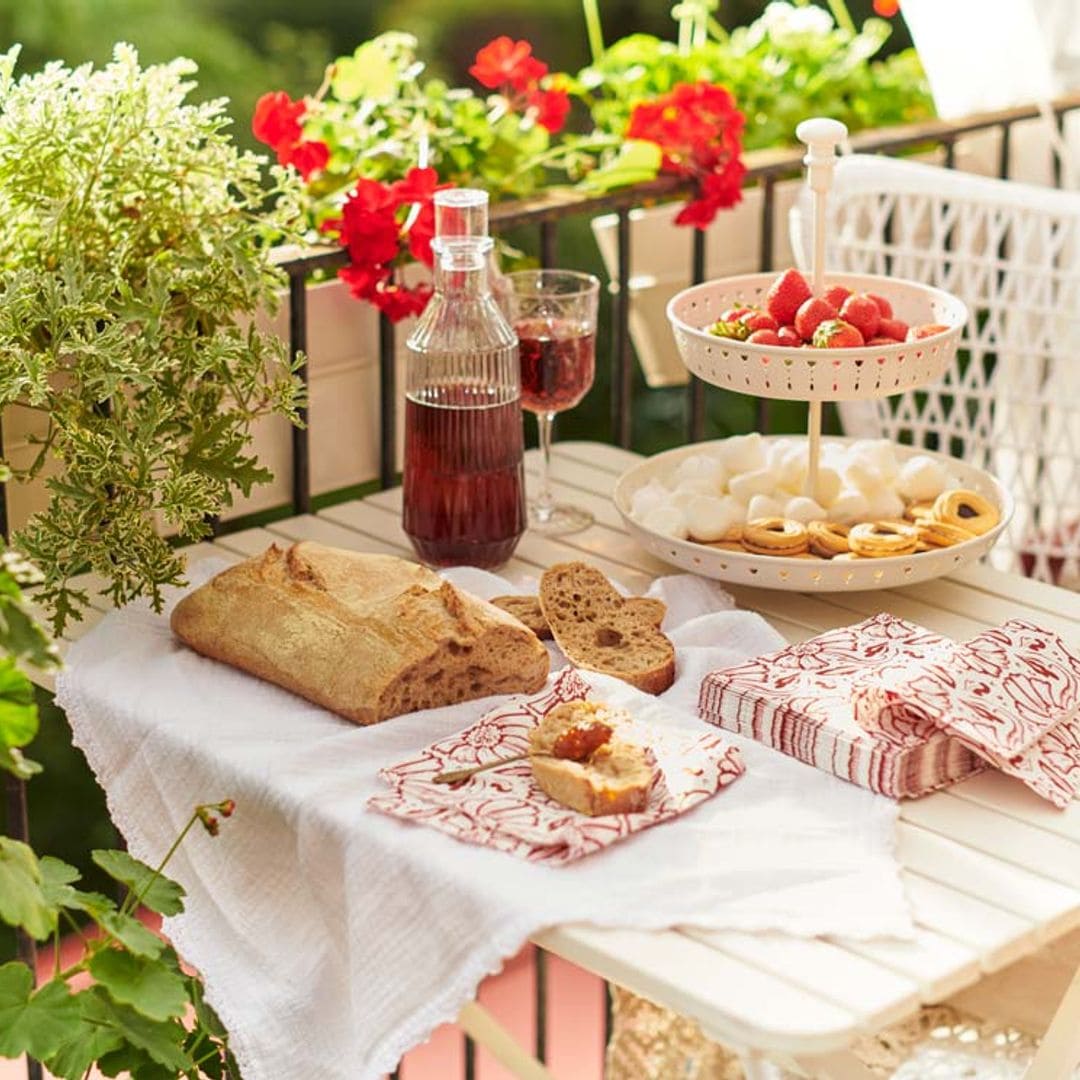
(554, 315)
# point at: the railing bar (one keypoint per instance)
(301, 443)
(696, 403)
(1005, 151)
(387, 403)
(549, 243)
(768, 223)
(4, 525)
(622, 374)
(18, 828)
(541, 987)
(1059, 122)
(470, 1059)
(950, 153)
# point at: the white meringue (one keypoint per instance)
(763, 506)
(863, 476)
(757, 482)
(849, 506)
(828, 487)
(701, 466)
(922, 477)
(742, 453)
(701, 484)
(668, 520)
(884, 505)
(792, 469)
(647, 498)
(778, 449)
(878, 453)
(710, 518)
(803, 509)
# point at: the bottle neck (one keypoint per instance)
(461, 266)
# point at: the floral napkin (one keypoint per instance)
(504, 808)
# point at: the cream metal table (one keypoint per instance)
(993, 873)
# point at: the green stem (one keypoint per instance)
(593, 28)
(133, 900)
(842, 16)
(553, 153)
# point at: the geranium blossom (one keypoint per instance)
(277, 122)
(510, 68)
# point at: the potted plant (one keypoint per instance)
(135, 254)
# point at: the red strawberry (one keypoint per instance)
(837, 295)
(811, 314)
(917, 333)
(789, 336)
(861, 311)
(734, 314)
(883, 305)
(760, 320)
(785, 296)
(882, 340)
(894, 328)
(837, 334)
(765, 337)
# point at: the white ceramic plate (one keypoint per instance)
(808, 575)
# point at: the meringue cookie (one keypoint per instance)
(701, 484)
(878, 453)
(701, 466)
(709, 518)
(758, 482)
(792, 469)
(884, 505)
(863, 476)
(922, 477)
(778, 450)
(849, 506)
(647, 498)
(742, 453)
(803, 509)
(763, 506)
(669, 520)
(828, 487)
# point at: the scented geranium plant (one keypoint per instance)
(376, 131)
(134, 256)
(124, 1002)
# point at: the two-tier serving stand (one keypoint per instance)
(815, 376)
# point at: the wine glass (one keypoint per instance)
(553, 313)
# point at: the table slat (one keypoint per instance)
(1007, 795)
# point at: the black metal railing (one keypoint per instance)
(546, 214)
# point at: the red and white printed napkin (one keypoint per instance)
(505, 808)
(799, 701)
(1010, 694)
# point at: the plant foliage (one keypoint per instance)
(134, 256)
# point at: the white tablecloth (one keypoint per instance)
(332, 939)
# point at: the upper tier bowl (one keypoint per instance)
(807, 374)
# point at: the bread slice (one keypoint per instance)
(614, 778)
(599, 630)
(367, 636)
(528, 610)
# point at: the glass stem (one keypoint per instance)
(545, 501)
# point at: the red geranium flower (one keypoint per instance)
(417, 186)
(422, 233)
(551, 107)
(370, 236)
(886, 8)
(307, 157)
(363, 280)
(276, 121)
(504, 62)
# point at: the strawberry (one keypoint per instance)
(789, 336)
(760, 320)
(861, 311)
(837, 295)
(917, 333)
(786, 294)
(765, 337)
(734, 314)
(837, 334)
(882, 340)
(811, 314)
(883, 305)
(894, 328)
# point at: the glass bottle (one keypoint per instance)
(464, 473)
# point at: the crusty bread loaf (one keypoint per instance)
(612, 779)
(528, 610)
(367, 636)
(599, 630)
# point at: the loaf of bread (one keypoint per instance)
(528, 610)
(580, 760)
(599, 630)
(367, 636)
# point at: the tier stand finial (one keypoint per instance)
(821, 136)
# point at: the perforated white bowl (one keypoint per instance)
(808, 374)
(808, 575)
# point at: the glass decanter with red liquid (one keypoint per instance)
(464, 475)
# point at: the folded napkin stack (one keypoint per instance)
(902, 711)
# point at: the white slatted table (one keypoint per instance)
(993, 872)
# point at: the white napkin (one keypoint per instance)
(332, 939)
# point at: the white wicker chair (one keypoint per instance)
(1011, 402)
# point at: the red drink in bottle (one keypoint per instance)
(465, 485)
(558, 361)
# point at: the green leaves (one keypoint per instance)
(153, 889)
(146, 985)
(22, 901)
(369, 73)
(636, 162)
(34, 1024)
(87, 1040)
